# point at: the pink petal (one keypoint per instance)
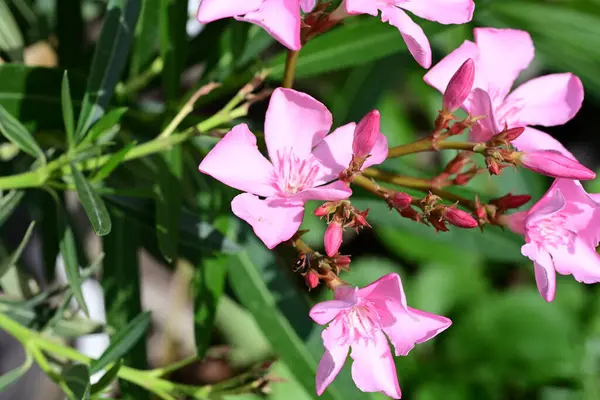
(273, 220)
(442, 11)
(407, 327)
(387, 288)
(211, 10)
(535, 140)
(236, 162)
(548, 100)
(582, 261)
(504, 53)
(439, 76)
(413, 35)
(551, 203)
(281, 19)
(361, 7)
(295, 121)
(335, 152)
(545, 276)
(307, 5)
(373, 369)
(333, 359)
(332, 192)
(322, 313)
(582, 209)
(516, 222)
(481, 105)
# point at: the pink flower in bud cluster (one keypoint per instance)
(280, 18)
(333, 238)
(400, 200)
(392, 11)
(511, 201)
(561, 234)
(304, 164)
(366, 134)
(360, 320)
(459, 218)
(459, 87)
(553, 163)
(311, 279)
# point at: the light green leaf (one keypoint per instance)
(12, 129)
(92, 203)
(8, 203)
(67, 109)
(11, 40)
(106, 126)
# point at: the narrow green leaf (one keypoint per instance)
(113, 162)
(108, 62)
(12, 129)
(67, 109)
(8, 203)
(146, 37)
(109, 377)
(169, 201)
(105, 126)
(12, 260)
(122, 341)
(173, 44)
(92, 203)
(11, 40)
(68, 250)
(76, 380)
(12, 376)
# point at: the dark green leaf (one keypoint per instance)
(12, 376)
(12, 260)
(8, 203)
(67, 109)
(146, 37)
(12, 129)
(105, 126)
(108, 62)
(109, 377)
(76, 380)
(113, 162)
(173, 44)
(92, 203)
(123, 341)
(168, 201)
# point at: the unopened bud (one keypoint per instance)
(510, 201)
(410, 213)
(438, 224)
(459, 218)
(458, 163)
(333, 238)
(326, 209)
(553, 163)
(365, 134)
(400, 200)
(311, 279)
(342, 261)
(459, 87)
(492, 165)
(360, 219)
(511, 134)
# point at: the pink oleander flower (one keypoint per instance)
(366, 134)
(553, 163)
(360, 320)
(392, 11)
(333, 237)
(305, 164)
(561, 234)
(459, 87)
(280, 18)
(500, 55)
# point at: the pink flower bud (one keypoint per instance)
(512, 134)
(311, 279)
(553, 163)
(342, 261)
(401, 200)
(511, 201)
(365, 134)
(459, 87)
(333, 238)
(459, 218)
(326, 209)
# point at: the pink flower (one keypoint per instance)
(459, 218)
(280, 18)
(333, 237)
(366, 134)
(392, 11)
(553, 163)
(360, 319)
(459, 87)
(561, 234)
(500, 55)
(305, 163)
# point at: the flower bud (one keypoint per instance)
(554, 164)
(311, 279)
(511, 134)
(459, 218)
(492, 166)
(333, 238)
(459, 87)
(365, 134)
(510, 201)
(326, 208)
(342, 261)
(400, 200)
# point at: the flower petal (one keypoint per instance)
(536, 140)
(551, 203)
(373, 369)
(236, 162)
(408, 326)
(442, 11)
(548, 100)
(211, 10)
(545, 276)
(413, 35)
(387, 288)
(331, 192)
(322, 313)
(516, 222)
(582, 261)
(307, 5)
(281, 19)
(481, 105)
(361, 7)
(504, 53)
(273, 220)
(294, 121)
(335, 153)
(333, 359)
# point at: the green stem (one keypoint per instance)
(290, 68)
(430, 144)
(139, 82)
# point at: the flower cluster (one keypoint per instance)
(306, 162)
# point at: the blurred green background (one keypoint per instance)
(505, 343)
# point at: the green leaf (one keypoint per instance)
(113, 162)
(109, 377)
(11, 40)
(123, 341)
(168, 201)
(68, 249)
(76, 380)
(173, 44)
(12, 260)
(12, 129)
(92, 203)
(67, 109)
(105, 126)
(12, 376)
(8, 203)
(146, 37)
(108, 62)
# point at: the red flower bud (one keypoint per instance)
(410, 213)
(511, 201)
(512, 134)
(342, 261)
(333, 238)
(459, 87)
(365, 134)
(311, 279)
(459, 218)
(553, 163)
(492, 165)
(325, 209)
(400, 200)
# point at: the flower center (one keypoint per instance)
(293, 175)
(552, 232)
(360, 322)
